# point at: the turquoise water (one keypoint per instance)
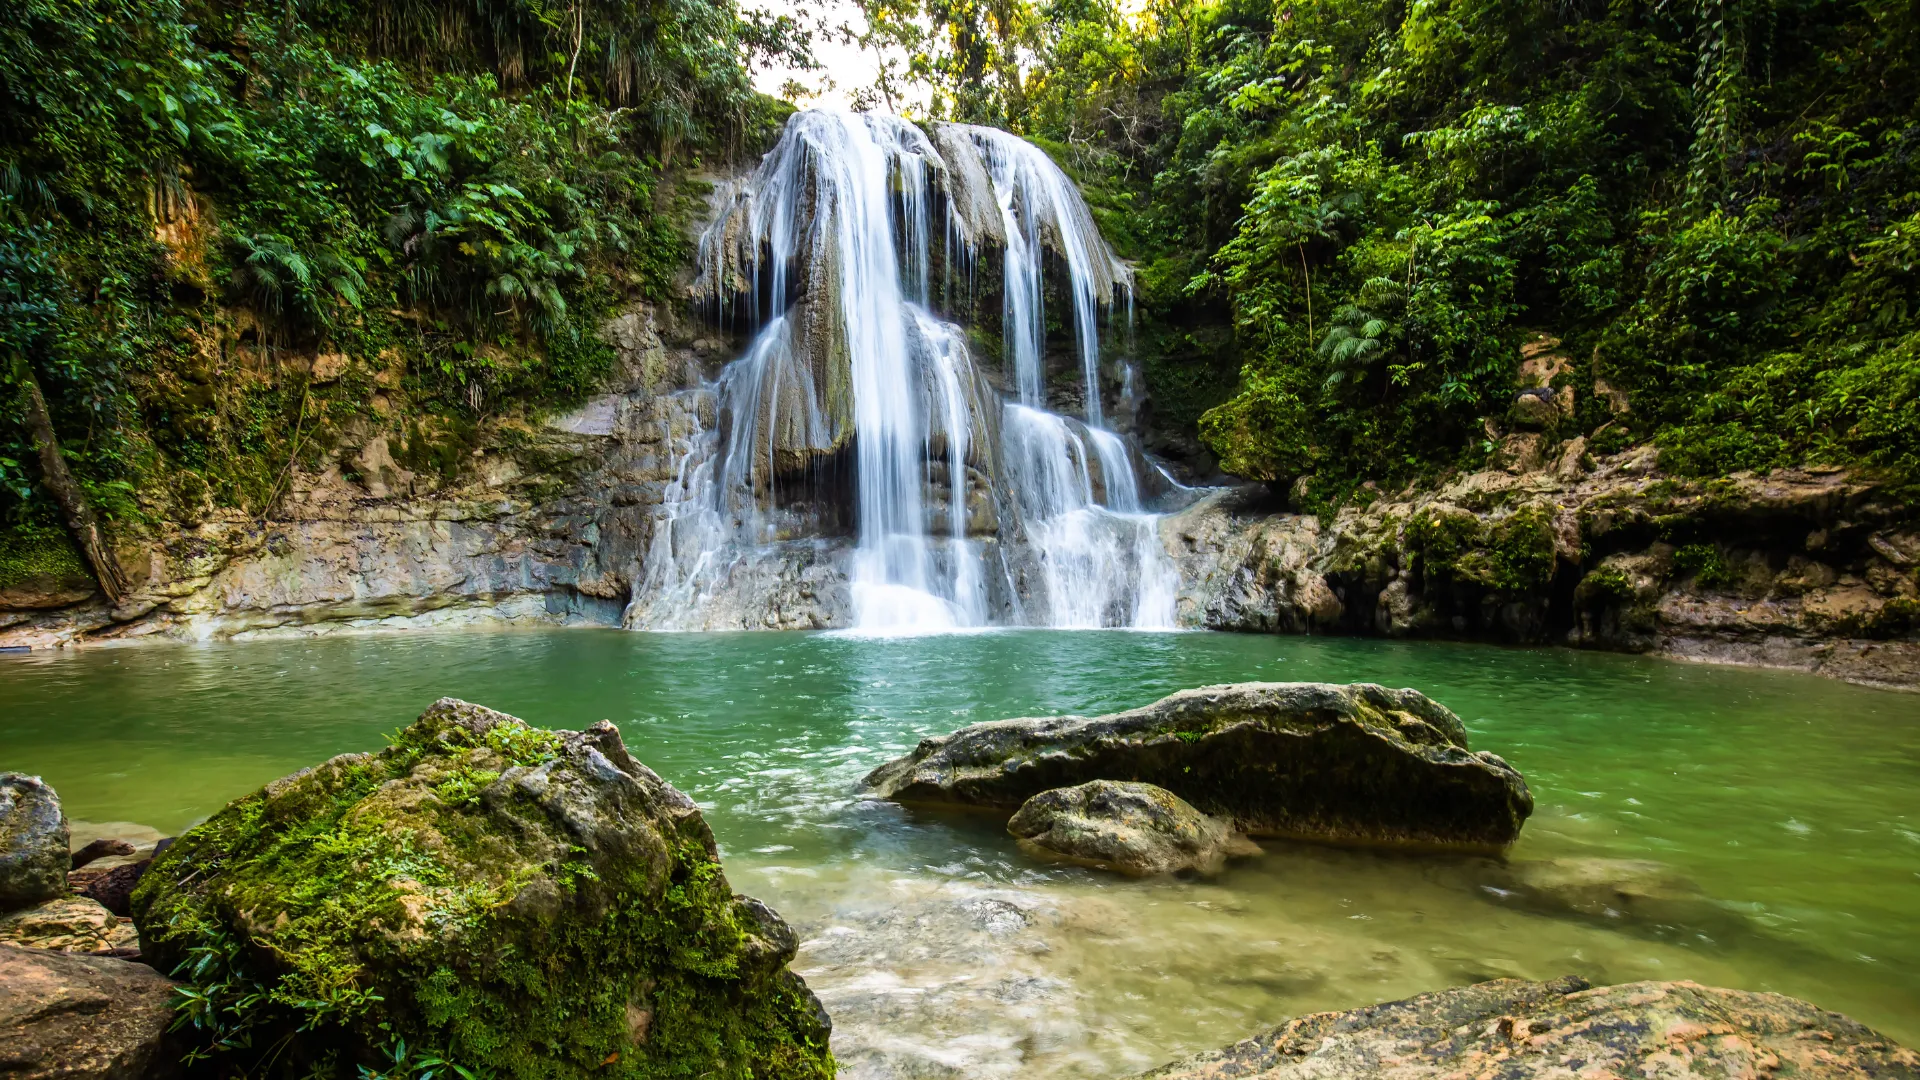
(1793, 803)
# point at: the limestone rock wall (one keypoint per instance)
(548, 523)
(1810, 569)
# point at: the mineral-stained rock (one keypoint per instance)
(69, 924)
(1512, 1029)
(33, 842)
(535, 902)
(1136, 829)
(1357, 763)
(67, 1017)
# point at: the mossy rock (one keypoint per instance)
(520, 902)
(1136, 829)
(1348, 764)
(41, 568)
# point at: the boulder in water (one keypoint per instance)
(33, 842)
(1358, 763)
(1136, 829)
(537, 902)
(1513, 1029)
(68, 1017)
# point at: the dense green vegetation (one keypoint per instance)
(197, 199)
(1714, 207)
(1348, 215)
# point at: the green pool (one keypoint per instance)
(1791, 804)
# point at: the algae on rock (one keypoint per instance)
(1136, 829)
(33, 842)
(1347, 764)
(534, 902)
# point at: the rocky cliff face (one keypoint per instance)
(1810, 569)
(544, 523)
(552, 524)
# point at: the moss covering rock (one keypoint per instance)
(527, 903)
(1358, 763)
(1137, 829)
(33, 842)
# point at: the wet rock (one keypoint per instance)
(1510, 1028)
(68, 1017)
(113, 885)
(489, 884)
(1136, 829)
(1615, 523)
(99, 849)
(1357, 763)
(69, 924)
(33, 842)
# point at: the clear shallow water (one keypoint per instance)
(941, 950)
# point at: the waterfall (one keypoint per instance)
(1102, 565)
(1038, 201)
(966, 509)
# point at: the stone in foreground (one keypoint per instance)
(1136, 829)
(1512, 1029)
(1353, 764)
(69, 924)
(33, 842)
(67, 1017)
(535, 903)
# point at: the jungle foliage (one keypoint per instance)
(1713, 206)
(198, 197)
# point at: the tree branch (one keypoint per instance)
(66, 491)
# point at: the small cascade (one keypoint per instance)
(1100, 557)
(856, 404)
(1039, 203)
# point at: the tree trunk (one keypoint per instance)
(81, 521)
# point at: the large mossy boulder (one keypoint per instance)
(1352, 764)
(534, 903)
(1511, 1029)
(33, 842)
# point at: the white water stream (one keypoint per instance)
(968, 509)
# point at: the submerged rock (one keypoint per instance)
(1136, 829)
(537, 902)
(1511, 1028)
(67, 1017)
(1608, 890)
(33, 842)
(69, 924)
(1357, 763)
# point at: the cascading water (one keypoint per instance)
(968, 510)
(1037, 201)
